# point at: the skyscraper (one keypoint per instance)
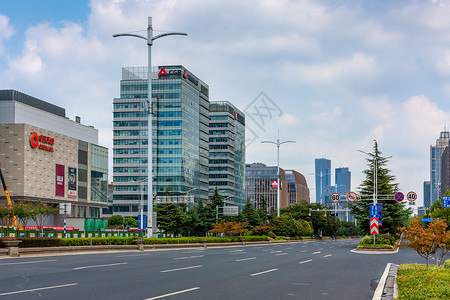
(343, 180)
(180, 131)
(435, 164)
(323, 179)
(426, 193)
(227, 152)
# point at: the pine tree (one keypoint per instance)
(250, 215)
(217, 199)
(394, 214)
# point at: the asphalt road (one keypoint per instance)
(307, 270)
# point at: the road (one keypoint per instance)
(307, 270)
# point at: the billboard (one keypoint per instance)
(59, 180)
(72, 183)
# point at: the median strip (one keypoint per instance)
(180, 269)
(38, 289)
(174, 293)
(263, 272)
(99, 266)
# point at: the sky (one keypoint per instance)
(333, 76)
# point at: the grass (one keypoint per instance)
(416, 281)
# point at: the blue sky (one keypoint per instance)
(342, 73)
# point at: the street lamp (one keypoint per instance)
(278, 143)
(141, 202)
(322, 201)
(150, 38)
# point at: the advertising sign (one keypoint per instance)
(59, 180)
(72, 183)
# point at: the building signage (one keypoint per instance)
(72, 184)
(178, 72)
(189, 77)
(42, 142)
(165, 73)
(59, 172)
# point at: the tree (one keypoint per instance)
(286, 225)
(216, 199)
(394, 214)
(116, 221)
(24, 211)
(229, 228)
(132, 222)
(439, 212)
(249, 215)
(42, 212)
(170, 217)
(262, 209)
(433, 239)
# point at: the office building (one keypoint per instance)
(435, 164)
(427, 193)
(180, 133)
(297, 187)
(445, 172)
(323, 179)
(227, 152)
(261, 187)
(342, 181)
(45, 156)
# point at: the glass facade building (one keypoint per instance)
(323, 179)
(227, 152)
(180, 133)
(426, 193)
(435, 164)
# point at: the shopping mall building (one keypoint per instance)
(48, 157)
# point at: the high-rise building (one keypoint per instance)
(297, 187)
(44, 156)
(343, 180)
(323, 179)
(426, 193)
(435, 164)
(445, 171)
(180, 133)
(227, 152)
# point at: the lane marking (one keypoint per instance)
(27, 262)
(287, 248)
(275, 251)
(303, 251)
(281, 254)
(263, 272)
(317, 252)
(305, 261)
(99, 266)
(328, 255)
(244, 259)
(179, 269)
(187, 257)
(237, 253)
(39, 289)
(131, 255)
(174, 293)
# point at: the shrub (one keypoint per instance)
(29, 242)
(447, 264)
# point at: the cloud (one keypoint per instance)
(6, 30)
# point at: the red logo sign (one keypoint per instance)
(42, 139)
(274, 184)
(185, 74)
(162, 72)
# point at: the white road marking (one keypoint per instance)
(317, 252)
(238, 253)
(244, 259)
(275, 251)
(281, 254)
(287, 248)
(99, 266)
(263, 272)
(179, 269)
(131, 255)
(328, 255)
(303, 251)
(174, 293)
(39, 289)
(305, 261)
(27, 262)
(186, 257)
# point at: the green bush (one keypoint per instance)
(446, 265)
(29, 242)
(380, 241)
(272, 235)
(98, 241)
(419, 282)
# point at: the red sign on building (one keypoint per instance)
(59, 180)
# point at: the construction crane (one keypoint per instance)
(8, 198)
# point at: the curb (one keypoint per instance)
(387, 287)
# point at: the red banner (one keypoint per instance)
(60, 228)
(59, 180)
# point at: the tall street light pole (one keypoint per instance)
(278, 143)
(150, 38)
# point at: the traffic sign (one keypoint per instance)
(374, 226)
(411, 196)
(335, 197)
(376, 211)
(139, 221)
(399, 196)
(352, 196)
(426, 220)
(445, 202)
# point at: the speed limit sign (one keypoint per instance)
(411, 196)
(335, 197)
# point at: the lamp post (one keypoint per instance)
(278, 143)
(321, 174)
(150, 38)
(141, 202)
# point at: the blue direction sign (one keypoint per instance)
(139, 222)
(445, 202)
(399, 196)
(376, 211)
(426, 219)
